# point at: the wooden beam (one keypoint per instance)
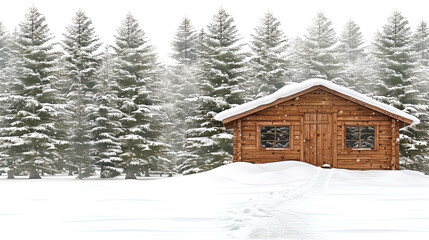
(301, 147)
(393, 160)
(334, 140)
(397, 145)
(240, 141)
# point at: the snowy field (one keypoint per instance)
(286, 200)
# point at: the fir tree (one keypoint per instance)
(396, 85)
(351, 43)
(137, 75)
(4, 80)
(221, 73)
(392, 49)
(184, 43)
(31, 119)
(319, 57)
(4, 46)
(357, 70)
(8, 75)
(295, 52)
(360, 75)
(201, 46)
(180, 85)
(80, 63)
(268, 62)
(4, 56)
(421, 43)
(181, 92)
(107, 125)
(420, 46)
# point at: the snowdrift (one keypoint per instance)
(283, 200)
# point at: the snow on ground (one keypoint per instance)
(285, 200)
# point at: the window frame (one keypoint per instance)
(274, 124)
(361, 126)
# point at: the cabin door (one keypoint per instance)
(318, 138)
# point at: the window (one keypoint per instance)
(360, 137)
(275, 137)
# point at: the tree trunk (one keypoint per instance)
(146, 171)
(130, 174)
(10, 174)
(70, 172)
(79, 176)
(34, 174)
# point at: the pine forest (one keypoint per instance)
(76, 106)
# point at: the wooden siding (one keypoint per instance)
(341, 112)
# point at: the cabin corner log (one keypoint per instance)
(240, 142)
(334, 140)
(393, 152)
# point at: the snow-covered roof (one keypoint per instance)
(295, 88)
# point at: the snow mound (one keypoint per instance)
(382, 177)
(263, 174)
(294, 88)
(295, 171)
(404, 177)
(251, 168)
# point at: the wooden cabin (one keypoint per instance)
(317, 122)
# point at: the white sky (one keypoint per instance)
(160, 18)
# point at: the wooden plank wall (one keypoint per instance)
(345, 112)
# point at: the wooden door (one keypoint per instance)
(318, 138)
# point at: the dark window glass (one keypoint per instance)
(360, 137)
(275, 137)
(352, 144)
(367, 129)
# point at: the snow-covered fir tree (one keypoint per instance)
(357, 70)
(4, 80)
(351, 43)
(4, 46)
(201, 43)
(392, 48)
(137, 75)
(269, 62)
(179, 86)
(221, 73)
(184, 43)
(397, 81)
(319, 55)
(295, 51)
(107, 126)
(8, 75)
(421, 43)
(80, 62)
(420, 46)
(180, 91)
(4, 56)
(31, 130)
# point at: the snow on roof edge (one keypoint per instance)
(294, 88)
